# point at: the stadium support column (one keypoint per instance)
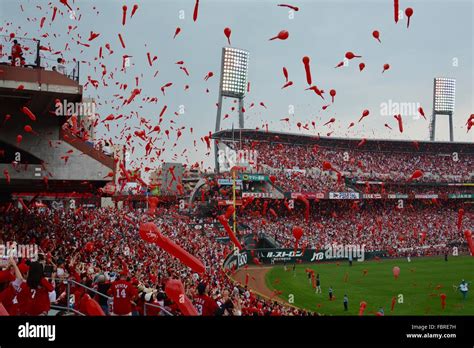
(218, 117)
(218, 127)
(432, 127)
(451, 134)
(241, 113)
(433, 115)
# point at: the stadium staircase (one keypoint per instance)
(86, 149)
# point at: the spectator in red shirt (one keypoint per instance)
(17, 53)
(9, 294)
(204, 304)
(123, 294)
(30, 295)
(6, 276)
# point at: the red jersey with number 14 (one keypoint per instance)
(123, 293)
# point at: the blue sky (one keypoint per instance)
(439, 42)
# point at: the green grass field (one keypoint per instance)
(420, 282)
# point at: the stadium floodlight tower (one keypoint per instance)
(444, 93)
(233, 84)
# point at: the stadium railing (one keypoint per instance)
(33, 56)
(72, 68)
(69, 309)
(161, 308)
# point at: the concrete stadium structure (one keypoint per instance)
(49, 158)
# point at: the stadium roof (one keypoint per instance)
(371, 144)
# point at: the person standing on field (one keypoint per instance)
(318, 284)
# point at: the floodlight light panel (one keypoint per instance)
(234, 72)
(444, 94)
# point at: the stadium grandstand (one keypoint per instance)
(319, 165)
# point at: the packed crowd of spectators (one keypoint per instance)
(379, 225)
(413, 189)
(295, 181)
(278, 158)
(98, 248)
(101, 248)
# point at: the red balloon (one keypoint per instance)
(395, 10)
(327, 166)
(176, 32)
(385, 67)
(134, 9)
(365, 113)
(422, 112)
(90, 307)
(227, 33)
(65, 3)
(152, 204)
(150, 233)
(229, 211)
(28, 113)
(408, 13)
(174, 289)
(285, 73)
(396, 271)
(332, 93)
(307, 69)
(332, 120)
(306, 203)
(28, 129)
(350, 55)
(400, 122)
(361, 66)
(89, 247)
(124, 14)
(196, 10)
(294, 8)
(19, 138)
(470, 242)
(180, 189)
(376, 35)
(282, 35)
(443, 300)
(229, 231)
(272, 178)
(416, 174)
(297, 232)
(362, 307)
